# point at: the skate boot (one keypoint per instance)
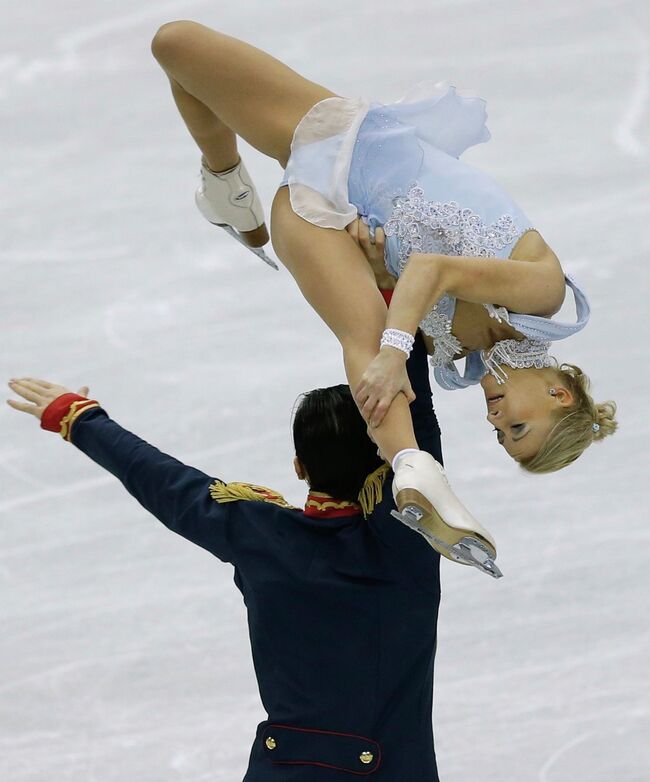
(230, 201)
(427, 505)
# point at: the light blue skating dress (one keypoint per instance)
(397, 166)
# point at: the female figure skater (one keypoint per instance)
(448, 229)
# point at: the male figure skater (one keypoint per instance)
(342, 608)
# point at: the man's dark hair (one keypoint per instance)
(332, 443)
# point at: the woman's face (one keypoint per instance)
(522, 410)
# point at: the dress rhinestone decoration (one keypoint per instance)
(433, 227)
(518, 354)
(423, 226)
(445, 345)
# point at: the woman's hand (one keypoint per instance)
(384, 378)
(39, 393)
(373, 250)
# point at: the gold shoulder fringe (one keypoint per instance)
(372, 492)
(233, 492)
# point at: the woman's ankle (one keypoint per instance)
(399, 454)
(221, 165)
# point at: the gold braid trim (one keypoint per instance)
(327, 504)
(76, 409)
(372, 492)
(232, 492)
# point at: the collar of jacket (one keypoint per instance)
(324, 506)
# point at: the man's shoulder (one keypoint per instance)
(413, 557)
(223, 492)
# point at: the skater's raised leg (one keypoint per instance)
(336, 279)
(225, 88)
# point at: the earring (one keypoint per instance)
(552, 391)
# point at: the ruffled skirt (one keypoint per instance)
(351, 157)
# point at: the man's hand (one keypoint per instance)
(384, 378)
(39, 393)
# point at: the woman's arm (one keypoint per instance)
(533, 283)
(531, 287)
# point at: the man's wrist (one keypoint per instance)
(62, 412)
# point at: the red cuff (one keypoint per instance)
(60, 414)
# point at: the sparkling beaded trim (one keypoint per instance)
(518, 354)
(394, 338)
(423, 226)
(433, 227)
(445, 345)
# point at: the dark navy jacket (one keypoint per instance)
(342, 611)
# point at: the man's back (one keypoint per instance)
(342, 610)
(342, 615)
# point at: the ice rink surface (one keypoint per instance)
(124, 652)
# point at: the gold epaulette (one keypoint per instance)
(372, 492)
(232, 492)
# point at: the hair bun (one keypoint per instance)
(607, 423)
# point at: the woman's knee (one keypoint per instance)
(173, 38)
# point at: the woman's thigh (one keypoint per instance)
(333, 274)
(260, 98)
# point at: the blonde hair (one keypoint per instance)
(584, 423)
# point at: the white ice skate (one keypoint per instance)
(427, 505)
(230, 201)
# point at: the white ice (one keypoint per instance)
(124, 652)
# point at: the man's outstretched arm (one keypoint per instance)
(178, 495)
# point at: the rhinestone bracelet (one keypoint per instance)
(394, 338)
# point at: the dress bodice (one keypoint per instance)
(419, 225)
(440, 204)
(398, 166)
(424, 226)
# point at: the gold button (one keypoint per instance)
(366, 757)
(270, 743)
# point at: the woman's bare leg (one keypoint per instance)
(216, 141)
(225, 88)
(334, 276)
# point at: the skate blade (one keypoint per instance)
(433, 522)
(255, 250)
(468, 550)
